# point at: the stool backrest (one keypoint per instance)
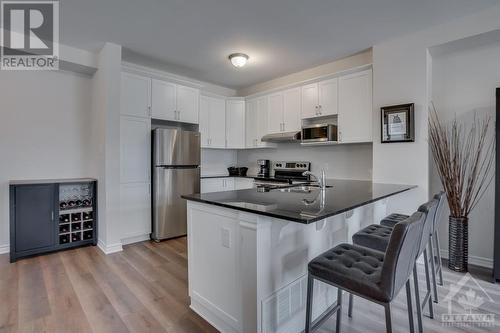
(401, 253)
(429, 209)
(441, 198)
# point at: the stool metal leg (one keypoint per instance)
(428, 295)
(417, 299)
(388, 318)
(310, 287)
(433, 268)
(351, 300)
(438, 254)
(339, 311)
(410, 307)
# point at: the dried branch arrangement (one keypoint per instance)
(464, 159)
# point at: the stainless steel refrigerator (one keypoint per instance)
(176, 171)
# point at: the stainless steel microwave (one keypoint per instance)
(320, 133)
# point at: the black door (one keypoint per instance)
(34, 211)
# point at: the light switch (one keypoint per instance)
(226, 237)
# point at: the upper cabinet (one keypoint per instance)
(320, 99)
(135, 95)
(284, 111)
(355, 108)
(257, 122)
(188, 106)
(212, 122)
(174, 102)
(235, 124)
(163, 102)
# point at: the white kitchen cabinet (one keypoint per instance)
(275, 113)
(135, 95)
(188, 104)
(135, 210)
(284, 111)
(163, 100)
(257, 123)
(135, 147)
(355, 107)
(241, 183)
(209, 185)
(328, 97)
(235, 124)
(291, 110)
(320, 99)
(310, 100)
(174, 102)
(212, 122)
(251, 131)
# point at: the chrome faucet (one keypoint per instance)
(320, 180)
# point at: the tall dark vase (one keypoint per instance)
(458, 245)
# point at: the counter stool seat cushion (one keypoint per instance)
(393, 219)
(374, 236)
(353, 268)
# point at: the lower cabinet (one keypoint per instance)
(209, 185)
(221, 184)
(135, 209)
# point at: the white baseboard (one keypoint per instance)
(4, 249)
(108, 249)
(135, 239)
(474, 260)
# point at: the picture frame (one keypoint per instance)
(398, 123)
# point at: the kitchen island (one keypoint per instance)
(248, 250)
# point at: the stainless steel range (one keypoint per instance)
(284, 174)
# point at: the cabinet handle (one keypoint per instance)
(178, 115)
(316, 107)
(340, 136)
(149, 111)
(319, 109)
(52, 216)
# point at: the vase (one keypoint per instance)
(458, 245)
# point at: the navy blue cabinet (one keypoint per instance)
(51, 215)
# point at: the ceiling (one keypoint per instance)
(194, 37)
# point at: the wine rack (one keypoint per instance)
(52, 215)
(76, 213)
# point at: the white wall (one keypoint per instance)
(214, 162)
(341, 161)
(402, 74)
(44, 130)
(464, 83)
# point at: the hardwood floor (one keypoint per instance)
(144, 289)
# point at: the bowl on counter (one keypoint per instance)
(237, 171)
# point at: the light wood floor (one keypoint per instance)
(144, 289)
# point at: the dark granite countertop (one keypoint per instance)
(303, 205)
(226, 176)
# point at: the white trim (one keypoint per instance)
(159, 74)
(4, 249)
(108, 249)
(135, 239)
(474, 260)
(351, 70)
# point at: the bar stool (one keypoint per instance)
(377, 237)
(434, 249)
(368, 273)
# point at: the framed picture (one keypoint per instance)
(398, 123)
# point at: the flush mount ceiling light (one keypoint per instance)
(238, 59)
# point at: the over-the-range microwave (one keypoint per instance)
(319, 133)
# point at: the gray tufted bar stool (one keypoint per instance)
(434, 248)
(377, 237)
(368, 273)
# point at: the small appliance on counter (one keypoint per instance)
(264, 168)
(237, 171)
